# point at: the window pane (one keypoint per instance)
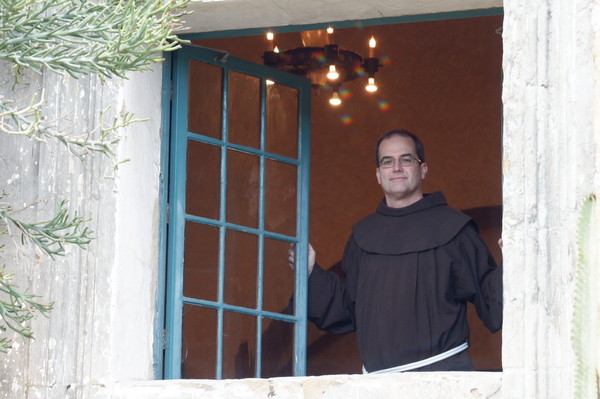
(278, 278)
(201, 261)
(202, 180)
(282, 120)
(205, 99)
(277, 348)
(239, 345)
(242, 189)
(199, 351)
(244, 109)
(240, 269)
(280, 197)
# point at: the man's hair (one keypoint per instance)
(419, 149)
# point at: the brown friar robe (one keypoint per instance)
(409, 273)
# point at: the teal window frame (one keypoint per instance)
(175, 300)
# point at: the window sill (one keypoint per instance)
(440, 384)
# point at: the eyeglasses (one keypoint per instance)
(404, 160)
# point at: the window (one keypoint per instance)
(440, 78)
(238, 200)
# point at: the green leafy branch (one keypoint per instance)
(52, 235)
(582, 331)
(16, 309)
(81, 36)
(28, 122)
(108, 38)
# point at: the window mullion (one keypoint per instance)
(222, 229)
(261, 228)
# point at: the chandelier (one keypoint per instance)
(326, 65)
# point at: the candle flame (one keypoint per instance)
(372, 42)
(371, 86)
(270, 36)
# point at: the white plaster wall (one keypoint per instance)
(69, 347)
(137, 230)
(550, 167)
(102, 327)
(596, 222)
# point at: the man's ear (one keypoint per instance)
(378, 175)
(424, 170)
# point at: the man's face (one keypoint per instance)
(401, 184)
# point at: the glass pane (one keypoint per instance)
(278, 278)
(282, 120)
(242, 189)
(240, 268)
(201, 261)
(244, 109)
(205, 99)
(199, 350)
(239, 345)
(202, 180)
(280, 197)
(277, 348)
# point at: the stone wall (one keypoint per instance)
(550, 167)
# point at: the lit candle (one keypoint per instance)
(371, 86)
(335, 99)
(270, 38)
(329, 37)
(372, 44)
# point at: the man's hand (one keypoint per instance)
(311, 258)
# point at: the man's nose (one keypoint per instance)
(397, 166)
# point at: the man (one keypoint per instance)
(410, 269)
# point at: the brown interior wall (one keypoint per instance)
(440, 80)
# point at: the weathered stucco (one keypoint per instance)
(550, 158)
(104, 297)
(56, 361)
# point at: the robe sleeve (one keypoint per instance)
(331, 297)
(478, 279)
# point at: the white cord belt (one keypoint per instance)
(420, 363)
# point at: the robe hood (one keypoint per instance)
(426, 224)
